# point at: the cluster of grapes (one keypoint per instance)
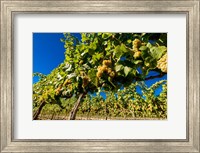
(162, 63)
(136, 45)
(105, 69)
(44, 96)
(67, 82)
(58, 90)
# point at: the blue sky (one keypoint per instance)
(48, 53)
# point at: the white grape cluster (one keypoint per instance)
(136, 45)
(162, 63)
(105, 68)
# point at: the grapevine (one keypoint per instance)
(113, 63)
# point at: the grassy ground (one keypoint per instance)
(61, 117)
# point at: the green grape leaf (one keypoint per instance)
(118, 68)
(92, 75)
(97, 56)
(106, 35)
(127, 70)
(137, 62)
(145, 54)
(71, 75)
(124, 49)
(157, 52)
(93, 46)
(143, 48)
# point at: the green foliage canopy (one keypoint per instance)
(102, 61)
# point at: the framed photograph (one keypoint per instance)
(99, 76)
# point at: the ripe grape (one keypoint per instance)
(112, 74)
(105, 69)
(107, 62)
(99, 74)
(136, 45)
(137, 54)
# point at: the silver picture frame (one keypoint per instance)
(11, 7)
